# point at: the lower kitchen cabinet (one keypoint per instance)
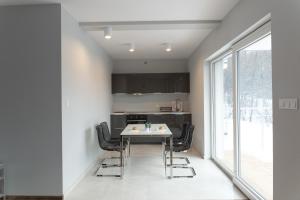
(174, 122)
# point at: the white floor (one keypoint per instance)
(144, 180)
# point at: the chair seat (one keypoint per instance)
(117, 141)
(113, 147)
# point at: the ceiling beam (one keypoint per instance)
(151, 25)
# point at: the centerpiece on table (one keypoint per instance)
(148, 126)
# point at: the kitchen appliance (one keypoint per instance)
(165, 109)
(136, 119)
(177, 105)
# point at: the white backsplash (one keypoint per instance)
(147, 102)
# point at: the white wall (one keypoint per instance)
(151, 66)
(30, 99)
(86, 99)
(147, 102)
(286, 71)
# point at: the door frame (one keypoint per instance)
(256, 35)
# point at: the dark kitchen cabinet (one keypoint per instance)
(119, 83)
(156, 83)
(118, 124)
(151, 83)
(182, 83)
(174, 121)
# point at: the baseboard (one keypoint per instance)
(83, 175)
(11, 197)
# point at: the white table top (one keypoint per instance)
(140, 130)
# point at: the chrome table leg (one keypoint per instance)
(121, 156)
(128, 147)
(171, 156)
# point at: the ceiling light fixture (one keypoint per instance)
(168, 47)
(131, 47)
(108, 33)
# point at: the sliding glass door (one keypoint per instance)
(242, 121)
(255, 115)
(223, 107)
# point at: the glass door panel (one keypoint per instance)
(223, 112)
(255, 116)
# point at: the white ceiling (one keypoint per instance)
(147, 42)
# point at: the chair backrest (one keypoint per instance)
(105, 130)
(186, 134)
(184, 131)
(190, 137)
(102, 143)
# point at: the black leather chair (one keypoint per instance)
(181, 139)
(107, 134)
(180, 146)
(108, 146)
(108, 138)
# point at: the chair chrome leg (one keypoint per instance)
(98, 174)
(104, 165)
(184, 167)
(181, 158)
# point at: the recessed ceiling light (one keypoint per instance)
(131, 47)
(168, 47)
(108, 33)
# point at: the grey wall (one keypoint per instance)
(286, 81)
(286, 71)
(86, 99)
(30, 103)
(152, 66)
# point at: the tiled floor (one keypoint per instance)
(144, 180)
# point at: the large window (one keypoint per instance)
(242, 113)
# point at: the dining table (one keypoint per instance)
(141, 130)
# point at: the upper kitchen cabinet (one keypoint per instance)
(119, 83)
(179, 82)
(151, 83)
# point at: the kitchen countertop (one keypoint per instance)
(150, 113)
